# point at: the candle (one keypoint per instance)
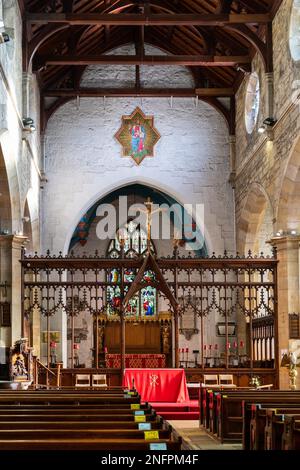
(242, 344)
(105, 349)
(76, 346)
(205, 347)
(187, 350)
(235, 344)
(52, 344)
(228, 345)
(216, 347)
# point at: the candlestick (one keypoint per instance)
(187, 356)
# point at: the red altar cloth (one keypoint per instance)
(158, 385)
(113, 361)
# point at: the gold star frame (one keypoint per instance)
(137, 136)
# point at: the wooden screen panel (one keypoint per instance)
(140, 338)
(294, 325)
(5, 316)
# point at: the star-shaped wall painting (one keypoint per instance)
(137, 136)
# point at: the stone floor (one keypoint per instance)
(195, 438)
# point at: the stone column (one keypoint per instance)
(232, 153)
(16, 305)
(5, 277)
(288, 294)
(10, 255)
(26, 85)
(270, 94)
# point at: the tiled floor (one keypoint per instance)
(195, 438)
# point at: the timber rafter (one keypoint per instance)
(215, 39)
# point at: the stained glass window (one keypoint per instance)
(294, 35)
(144, 304)
(252, 102)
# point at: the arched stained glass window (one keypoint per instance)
(135, 242)
(252, 102)
(144, 304)
(294, 35)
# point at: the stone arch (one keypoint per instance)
(255, 225)
(288, 212)
(27, 229)
(128, 182)
(30, 219)
(12, 181)
(5, 203)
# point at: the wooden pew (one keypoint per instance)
(254, 419)
(207, 408)
(85, 416)
(230, 409)
(274, 427)
(56, 399)
(41, 433)
(255, 422)
(159, 423)
(87, 445)
(291, 433)
(34, 420)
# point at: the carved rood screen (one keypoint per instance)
(230, 302)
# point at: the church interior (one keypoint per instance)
(149, 225)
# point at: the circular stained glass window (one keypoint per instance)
(252, 102)
(294, 35)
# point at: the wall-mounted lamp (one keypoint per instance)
(282, 233)
(4, 37)
(28, 125)
(262, 129)
(5, 33)
(267, 127)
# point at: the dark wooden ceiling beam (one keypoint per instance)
(225, 6)
(136, 19)
(67, 6)
(143, 92)
(21, 7)
(275, 7)
(184, 60)
(43, 36)
(248, 34)
(255, 5)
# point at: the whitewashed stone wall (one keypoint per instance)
(124, 76)
(84, 163)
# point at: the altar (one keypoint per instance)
(113, 361)
(158, 385)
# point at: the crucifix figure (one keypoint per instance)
(150, 212)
